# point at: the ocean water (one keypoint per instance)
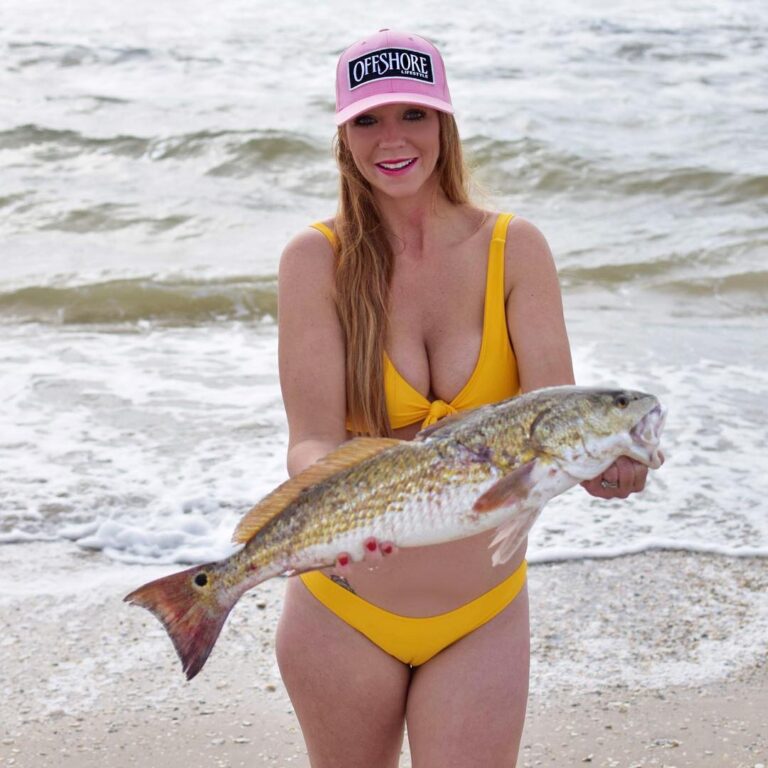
(155, 158)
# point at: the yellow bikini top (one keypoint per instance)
(495, 376)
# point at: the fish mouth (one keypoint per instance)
(646, 435)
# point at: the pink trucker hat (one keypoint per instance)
(390, 68)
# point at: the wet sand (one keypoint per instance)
(650, 660)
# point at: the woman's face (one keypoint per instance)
(395, 147)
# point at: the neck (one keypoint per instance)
(415, 222)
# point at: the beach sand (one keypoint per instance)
(656, 659)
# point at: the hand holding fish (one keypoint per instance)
(624, 477)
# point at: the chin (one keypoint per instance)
(403, 192)
(404, 188)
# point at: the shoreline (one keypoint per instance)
(655, 659)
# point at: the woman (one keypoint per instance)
(409, 305)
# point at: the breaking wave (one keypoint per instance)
(170, 301)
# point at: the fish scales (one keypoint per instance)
(383, 500)
(494, 467)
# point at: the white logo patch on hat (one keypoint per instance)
(390, 63)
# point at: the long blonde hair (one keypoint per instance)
(364, 266)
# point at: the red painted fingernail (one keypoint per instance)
(343, 560)
(371, 546)
(387, 549)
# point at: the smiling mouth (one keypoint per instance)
(396, 165)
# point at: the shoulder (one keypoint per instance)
(526, 240)
(523, 239)
(310, 240)
(308, 256)
(527, 253)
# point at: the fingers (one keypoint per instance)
(623, 477)
(593, 488)
(343, 566)
(610, 477)
(631, 477)
(373, 552)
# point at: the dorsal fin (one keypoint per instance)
(345, 456)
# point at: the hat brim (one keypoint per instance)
(371, 102)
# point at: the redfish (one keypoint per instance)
(493, 467)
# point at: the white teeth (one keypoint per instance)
(395, 166)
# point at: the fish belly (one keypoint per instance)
(423, 519)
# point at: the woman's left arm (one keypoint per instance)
(540, 340)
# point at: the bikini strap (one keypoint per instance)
(327, 231)
(500, 227)
(494, 287)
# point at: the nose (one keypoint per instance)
(391, 134)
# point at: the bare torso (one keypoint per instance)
(435, 332)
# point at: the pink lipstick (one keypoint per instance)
(396, 167)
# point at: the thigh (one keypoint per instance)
(466, 706)
(348, 694)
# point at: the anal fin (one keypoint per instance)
(510, 534)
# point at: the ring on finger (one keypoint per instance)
(606, 484)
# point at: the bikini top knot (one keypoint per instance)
(438, 409)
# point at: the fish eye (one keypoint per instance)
(622, 401)
(201, 579)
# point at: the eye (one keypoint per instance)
(201, 579)
(414, 114)
(622, 401)
(364, 120)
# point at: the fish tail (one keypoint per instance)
(192, 606)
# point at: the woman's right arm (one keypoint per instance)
(310, 350)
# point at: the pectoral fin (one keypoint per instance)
(512, 488)
(525, 491)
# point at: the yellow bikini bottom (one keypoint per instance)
(413, 640)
